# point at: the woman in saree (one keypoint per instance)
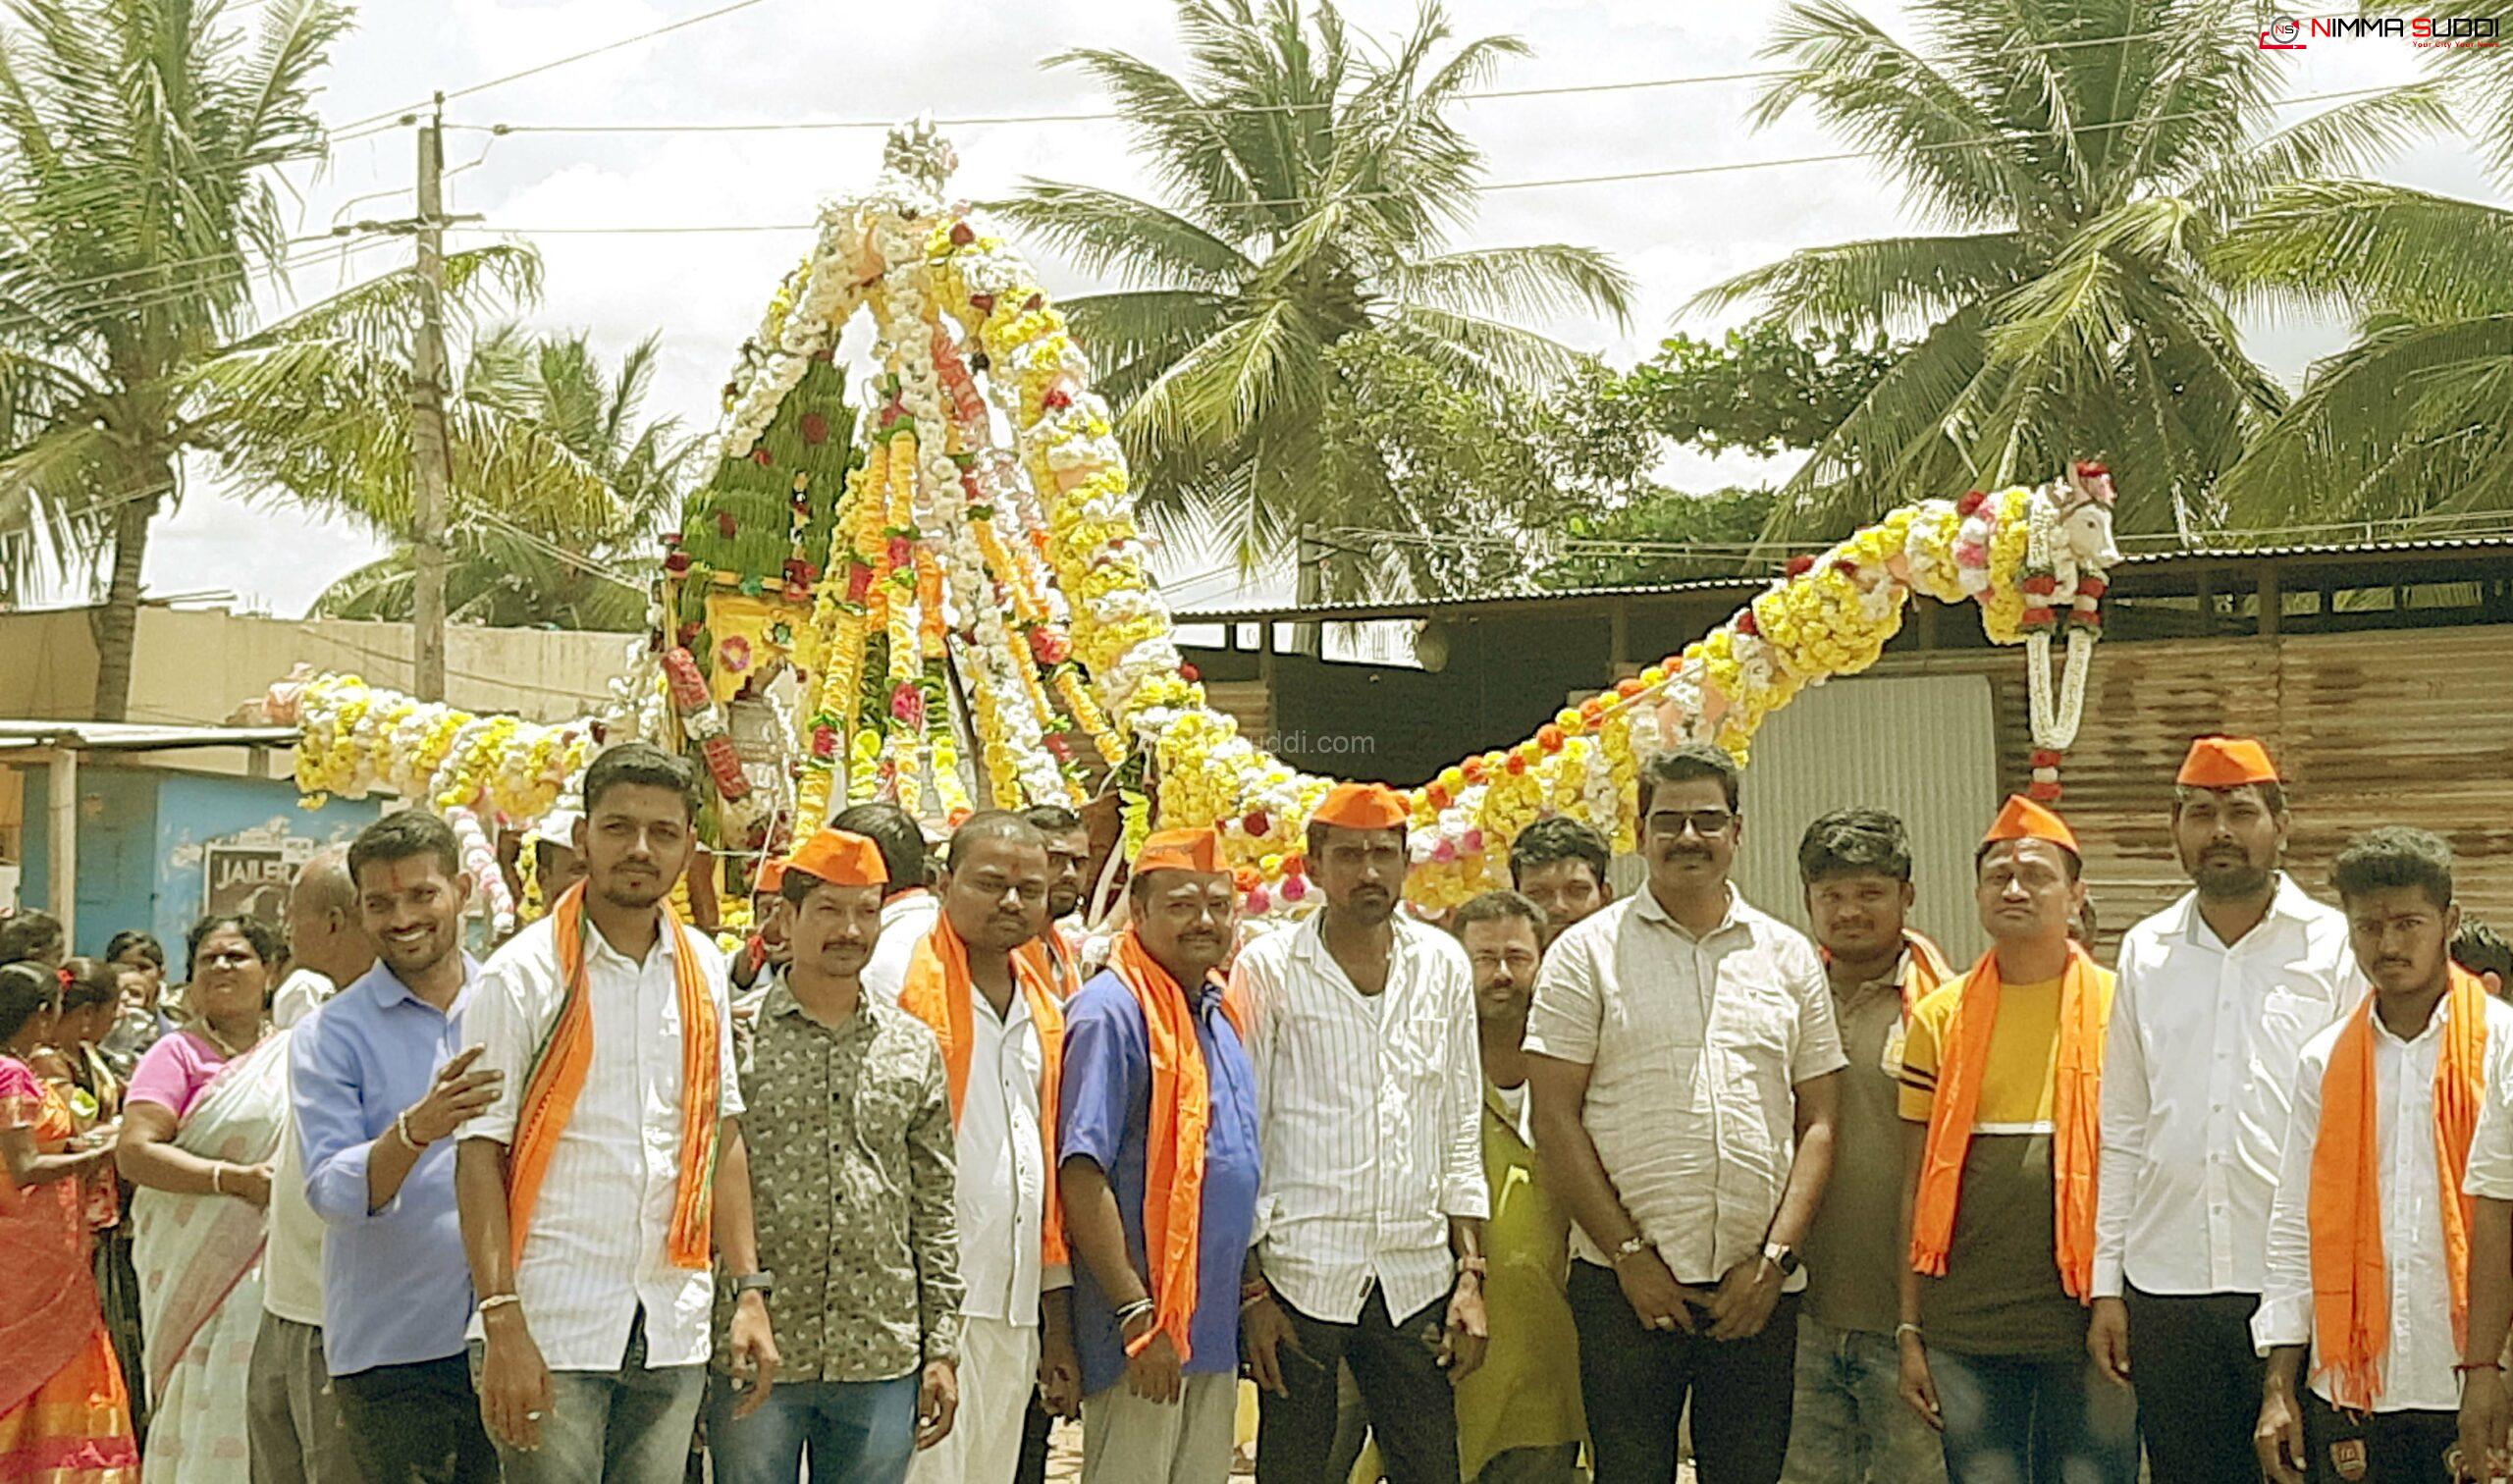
(93, 996)
(202, 1122)
(65, 1417)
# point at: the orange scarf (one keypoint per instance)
(1923, 971)
(2351, 1285)
(937, 992)
(2076, 1114)
(1181, 1115)
(558, 1079)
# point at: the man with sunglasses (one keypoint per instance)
(1685, 1069)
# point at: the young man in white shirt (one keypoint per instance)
(2217, 995)
(1685, 1070)
(587, 1208)
(985, 985)
(2373, 1266)
(1369, 1213)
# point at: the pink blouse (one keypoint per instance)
(172, 1073)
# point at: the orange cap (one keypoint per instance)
(2024, 820)
(1181, 849)
(1362, 806)
(771, 878)
(840, 859)
(2226, 762)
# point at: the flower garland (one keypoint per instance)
(354, 740)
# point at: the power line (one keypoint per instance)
(974, 121)
(551, 65)
(1667, 172)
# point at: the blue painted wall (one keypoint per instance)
(141, 833)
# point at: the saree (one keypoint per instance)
(64, 1416)
(199, 1259)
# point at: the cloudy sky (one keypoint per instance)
(794, 60)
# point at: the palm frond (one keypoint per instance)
(2373, 247)
(1139, 244)
(1886, 283)
(1543, 279)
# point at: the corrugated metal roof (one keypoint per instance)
(1359, 610)
(128, 736)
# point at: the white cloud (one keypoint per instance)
(792, 60)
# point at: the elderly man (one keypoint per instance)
(1160, 1175)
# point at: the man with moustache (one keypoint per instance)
(380, 1087)
(1068, 862)
(1518, 1417)
(609, 1168)
(1160, 1175)
(1685, 1070)
(2001, 1092)
(1370, 1217)
(990, 993)
(1560, 865)
(2376, 1268)
(1849, 1423)
(851, 1154)
(2218, 994)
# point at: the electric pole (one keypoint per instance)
(428, 389)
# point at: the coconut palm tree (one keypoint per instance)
(140, 141)
(2075, 165)
(1309, 183)
(2410, 420)
(499, 571)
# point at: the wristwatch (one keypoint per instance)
(1782, 1255)
(761, 1282)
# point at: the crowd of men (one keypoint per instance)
(1548, 1186)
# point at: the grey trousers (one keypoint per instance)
(293, 1430)
(1127, 1440)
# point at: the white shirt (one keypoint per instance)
(1000, 1189)
(2417, 1367)
(293, 1259)
(600, 1227)
(296, 997)
(1695, 1047)
(1368, 1118)
(2197, 1082)
(905, 921)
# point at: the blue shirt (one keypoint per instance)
(397, 1290)
(1105, 1110)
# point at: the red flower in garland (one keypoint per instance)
(1800, 565)
(859, 582)
(1745, 624)
(1049, 647)
(815, 429)
(824, 742)
(1190, 674)
(2041, 792)
(908, 704)
(1970, 504)
(725, 524)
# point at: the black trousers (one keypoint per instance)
(1033, 1469)
(2198, 1382)
(2385, 1447)
(417, 1424)
(1634, 1380)
(1397, 1365)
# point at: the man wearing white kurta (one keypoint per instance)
(1016, 1337)
(2218, 994)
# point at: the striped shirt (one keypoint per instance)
(1695, 1046)
(596, 1252)
(1368, 1111)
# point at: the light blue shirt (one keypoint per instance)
(397, 1290)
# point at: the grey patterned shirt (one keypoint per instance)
(849, 1129)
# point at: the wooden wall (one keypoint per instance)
(2406, 726)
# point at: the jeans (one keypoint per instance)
(1851, 1423)
(855, 1432)
(2023, 1420)
(417, 1424)
(2198, 1381)
(1635, 1379)
(627, 1426)
(1413, 1410)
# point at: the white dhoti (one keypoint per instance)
(998, 1370)
(1127, 1440)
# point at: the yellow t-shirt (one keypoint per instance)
(2024, 1048)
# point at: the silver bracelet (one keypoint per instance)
(216, 1169)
